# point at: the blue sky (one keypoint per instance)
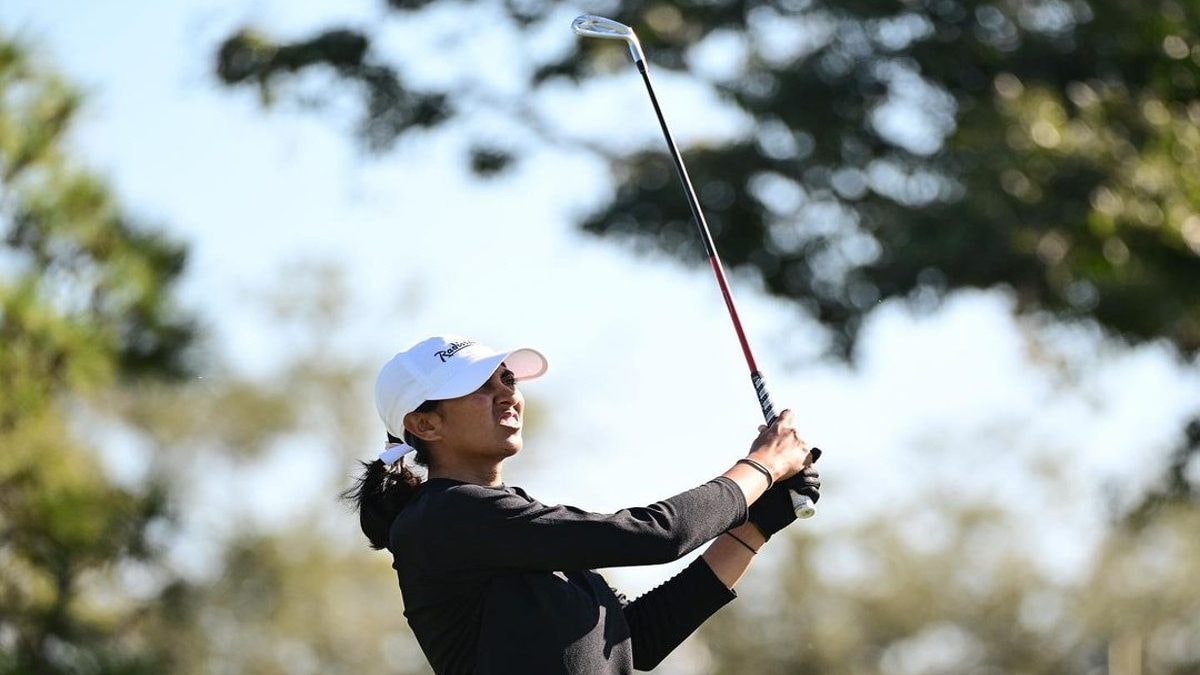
(647, 393)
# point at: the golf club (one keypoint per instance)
(600, 27)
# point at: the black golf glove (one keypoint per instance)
(772, 512)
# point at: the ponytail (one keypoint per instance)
(382, 491)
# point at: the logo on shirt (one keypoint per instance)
(452, 349)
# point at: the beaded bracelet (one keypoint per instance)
(762, 469)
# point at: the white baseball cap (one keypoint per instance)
(442, 367)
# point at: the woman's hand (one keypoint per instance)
(780, 448)
(778, 451)
(774, 511)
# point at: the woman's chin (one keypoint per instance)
(512, 445)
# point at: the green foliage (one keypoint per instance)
(960, 597)
(290, 605)
(307, 595)
(1064, 173)
(391, 108)
(91, 342)
(84, 305)
(89, 332)
(1180, 490)
(900, 150)
(84, 290)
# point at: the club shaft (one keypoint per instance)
(802, 504)
(701, 224)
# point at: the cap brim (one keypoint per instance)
(525, 363)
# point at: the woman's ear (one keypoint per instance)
(426, 426)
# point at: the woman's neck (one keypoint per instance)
(486, 474)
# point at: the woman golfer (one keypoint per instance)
(495, 581)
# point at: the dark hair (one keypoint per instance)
(381, 491)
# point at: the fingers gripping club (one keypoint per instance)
(802, 504)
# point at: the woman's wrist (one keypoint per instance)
(749, 535)
(758, 466)
(771, 464)
(751, 482)
(742, 542)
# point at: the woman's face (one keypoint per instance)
(485, 423)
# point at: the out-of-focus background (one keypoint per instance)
(964, 237)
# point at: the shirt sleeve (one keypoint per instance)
(476, 527)
(663, 618)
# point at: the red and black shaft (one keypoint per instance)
(710, 250)
(803, 504)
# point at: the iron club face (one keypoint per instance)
(590, 25)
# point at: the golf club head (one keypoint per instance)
(590, 25)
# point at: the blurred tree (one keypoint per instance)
(957, 596)
(899, 149)
(1180, 488)
(288, 603)
(297, 594)
(1142, 598)
(84, 305)
(100, 575)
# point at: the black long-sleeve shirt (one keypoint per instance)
(496, 582)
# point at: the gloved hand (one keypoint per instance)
(772, 512)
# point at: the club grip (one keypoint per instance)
(801, 504)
